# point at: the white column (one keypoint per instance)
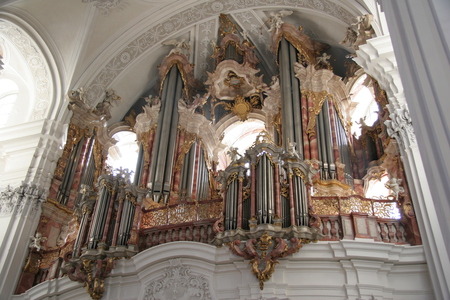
(37, 144)
(419, 34)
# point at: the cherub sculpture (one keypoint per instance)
(179, 46)
(234, 154)
(292, 151)
(276, 19)
(394, 185)
(323, 59)
(37, 240)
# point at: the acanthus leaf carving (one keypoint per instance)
(400, 127)
(177, 282)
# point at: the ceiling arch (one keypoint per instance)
(140, 55)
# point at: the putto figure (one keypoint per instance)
(179, 46)
(37, 240)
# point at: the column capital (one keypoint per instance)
(400, 127)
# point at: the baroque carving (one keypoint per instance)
(400, 127)
(264, 252)
(358, 33)
(105, 6)
(183, 19)
(25, 197)
(177, 282)
(91, 272)
(37, 65)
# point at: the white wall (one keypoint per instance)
(325, 270)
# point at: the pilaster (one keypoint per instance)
(422, 130)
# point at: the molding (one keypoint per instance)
(362, 268)
(154, 35)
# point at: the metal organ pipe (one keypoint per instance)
(165, 139)
(270, 190)
(173, 134)
(190, 169)
(286, 96)
(296, 112)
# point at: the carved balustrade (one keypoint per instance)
(358, 217)
(182, 213)
(190, 221)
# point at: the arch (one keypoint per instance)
(103, 73)
(31, 68)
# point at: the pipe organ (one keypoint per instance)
(301, 180)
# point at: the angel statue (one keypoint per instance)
(323, 59)
(179, 46)
(276, 19)
(36, 241)
(394, 185)
(291, 149)
(234, 154)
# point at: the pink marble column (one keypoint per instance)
(78, 173)
(306, 150)
(291, 199)
(177, 173)
(312, 136)
(147, 158)
(134, 237)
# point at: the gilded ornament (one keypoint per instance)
(190, 138)
(60, 207)
(226, 26)
(264, 253)
(318, 100)
(299, 173)
(234, 81)
(233, 176)
(240, 107)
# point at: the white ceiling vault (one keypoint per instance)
(116, 44)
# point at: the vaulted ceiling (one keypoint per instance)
(117, 44)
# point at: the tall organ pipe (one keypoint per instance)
(270, 190)
(290, 95)
(165, 139)
(286, 96)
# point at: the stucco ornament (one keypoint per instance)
(400, 127)
(182, 19)
(37, 65)
(177, 282)
(105, 6)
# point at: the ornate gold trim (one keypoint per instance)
(189, 140)
(226, 26)
(233, 76)
(240, 107)
(299, 173)
(318, 100)
(60, 206)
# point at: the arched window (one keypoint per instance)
(124, 153)
(365, 107)
(241, 136)
(8, 96)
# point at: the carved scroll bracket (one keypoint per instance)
(264, 252)
(400, 127)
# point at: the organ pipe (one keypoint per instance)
(165, 138)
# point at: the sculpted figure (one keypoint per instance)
(179, 46)
(37, 240)
(394, 185)
(276, 19)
